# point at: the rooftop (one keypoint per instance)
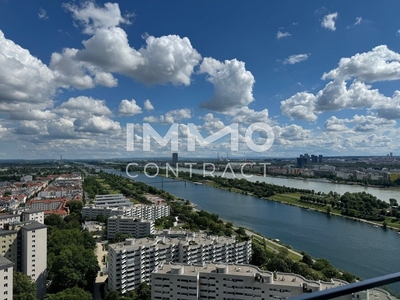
(5, 263)
(34, 226)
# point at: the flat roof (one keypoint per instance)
(7, 232)
(198, 240)
(287, 279)
(34, 226)
(5, 263)
(32, 211)
(7, 216)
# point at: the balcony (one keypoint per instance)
(366, 289)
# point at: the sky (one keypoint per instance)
(318, 77)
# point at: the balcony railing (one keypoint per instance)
(351, 288)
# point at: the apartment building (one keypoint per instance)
(230, 281)
(6, 279)
(34, 254)
(7, 219)
(33, 215)
(9, 245)
(112, 200)
(139, 211)
(25, 244)
(132, 262)
(138, 228)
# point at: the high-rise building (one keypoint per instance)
(320, 158)
(6, 279)
(138, 228)
(24, 243)
(132, 262)
(174, 158)
(231, 281)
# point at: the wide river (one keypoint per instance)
(349, 245)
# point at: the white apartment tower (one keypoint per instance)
(132, 262)
(34, 255)
(6, 279)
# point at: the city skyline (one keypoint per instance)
(322, 75)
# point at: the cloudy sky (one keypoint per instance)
(324, 76)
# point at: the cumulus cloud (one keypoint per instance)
(84, 105)
(129, 108)
(233, 84)
(329, 21)
(294, 59)
(379, 64)
(92, 17)
(170, 117)
(148, 105)
(81, 75)
(281, 34)
(300, 106)
(335, 124)
(33, 114)
(25, 82)
(96, 124)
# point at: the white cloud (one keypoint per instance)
(96, 124)
(170, 117)
(25, 82)
(379, 64)
(233, 84)
(335, 124)
(247, 115)
(281, 34)
(33, 114)
(71, 72)
(148, 105)
(42, 14)
(129, 108)
(329, 21)
(91, 17)
(294, 59)
(358, 21)
(300, 106)
(84, 105)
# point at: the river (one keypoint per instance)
(349, 245)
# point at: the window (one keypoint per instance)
(6, 285)
(5, 277)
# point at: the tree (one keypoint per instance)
(75, 206)
(74, 293)
(307, 259)
(143, 291)
(23, 287)
(283, 252)
(54, 220)
(74, 266)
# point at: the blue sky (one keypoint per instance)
(321, 74)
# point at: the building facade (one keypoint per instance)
(139, 211)
(112, 200)
(230, 281)
(6, 279)
(138, 228)
(132, 262)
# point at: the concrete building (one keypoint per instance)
(33, 215)
(132, 262)
(230, 281)
(112, 200)
(6, 279)
(139, 211)
(7, 219)
(25, 244)
(138, 228)
(174, 158)
(34, 255)
(9, 245)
